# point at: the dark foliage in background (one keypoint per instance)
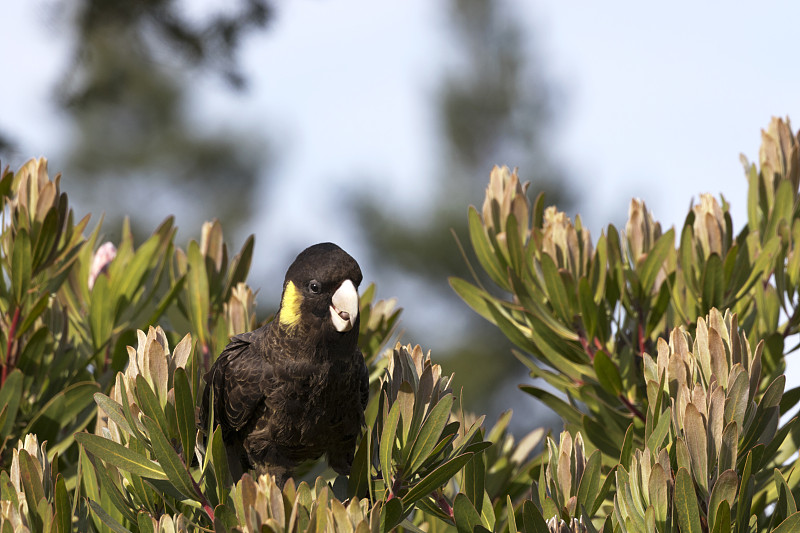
(493, 106)
(125, 94)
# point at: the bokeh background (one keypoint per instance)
(375, 124)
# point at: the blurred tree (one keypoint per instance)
(493, 109)
(126, 90)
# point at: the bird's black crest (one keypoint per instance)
(324, 261)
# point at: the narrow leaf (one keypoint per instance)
(474, 473)
(429, 433)
(120, 456)
(532, 519)
(104, 517)
(170, 461)
(184, 413)
(438, 477)
(686, 503)
(388, 436)
(464, 514)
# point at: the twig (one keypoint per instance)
(632, 408)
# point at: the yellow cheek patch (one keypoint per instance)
(290, 306)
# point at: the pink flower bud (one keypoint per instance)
(102, 258)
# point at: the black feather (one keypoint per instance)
(285, 394)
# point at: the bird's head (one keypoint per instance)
(320, 292)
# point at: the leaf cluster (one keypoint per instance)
(662, 351)
(692, 437)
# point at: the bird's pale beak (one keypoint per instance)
(344, 306)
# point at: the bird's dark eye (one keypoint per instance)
(314, 286)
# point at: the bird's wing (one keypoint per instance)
(239, 378)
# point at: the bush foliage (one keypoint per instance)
(662, 351)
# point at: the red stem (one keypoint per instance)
(441, 501)
(586, 347)
(632, 408)
(206, 506)
(10, 362)
(641, 341)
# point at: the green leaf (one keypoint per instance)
(101, 312)
(169, 460)
(556, 292)
(686, 503)
(781, 208)
(532, 519)
(722, 522)
(512, 520)
(112, 492)
(791, 396)
(607, 373)
(405, 397)
(464, 514)
(388, 437)
(589, 484)
(659, 495)
(104, 517)
(120, 456)
(474, 297)
(605, 438)
(746, 488)
(145, 522)
(660, 432)
(86, 476)
(474, 478)
(696, 441)
(483, 248)
(774, 393)
(724, 491)
(198, 292)
(63, 507)
(789, 525)
(713, 282)
(516, 252)
(221, 467)
(655, 260)
(6, 180)
(29, 476)
(134, 423)
(131, 278)
(224, 518)
(240, 266)
(47, 235)
(359, 479)
(729, 448)
(786, 505)
(62, 409)
(588, 308)
(429, 433)
(21, 268)
(184, 413)
(150, 404)
(10, 397)
(562, 408)
(438, 477)
(764, 261)
(391, 514)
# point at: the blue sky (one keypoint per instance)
(654, 101)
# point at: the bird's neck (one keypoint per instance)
(316, 343)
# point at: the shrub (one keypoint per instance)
(662, 351)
